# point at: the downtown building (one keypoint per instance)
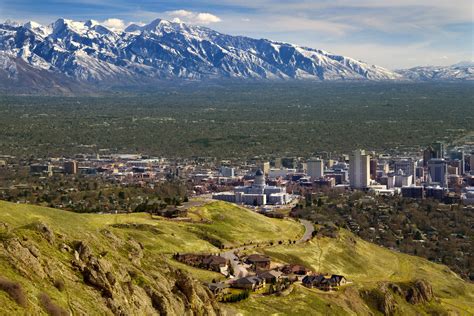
(315, 169)
(438, 172)
(256, 194)
(359, 169)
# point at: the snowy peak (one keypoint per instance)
(90, 52)
(462, 71)
(38, 28)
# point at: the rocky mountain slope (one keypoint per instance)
(88, 51)
(463, 71)
(57, 262)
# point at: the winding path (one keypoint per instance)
(241, 271)
(309, 229)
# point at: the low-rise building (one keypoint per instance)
(253, 283)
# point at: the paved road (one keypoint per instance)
(239, 268)
(309, 229)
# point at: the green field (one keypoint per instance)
(366, 265)
(115, 239)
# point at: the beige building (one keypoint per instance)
(265, 167)
(359, 169)
(70, 167)
(315, 169)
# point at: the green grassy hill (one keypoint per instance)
(368, 266)
(62, 262)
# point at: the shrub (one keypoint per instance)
(50, 307)
(59, 284)
(14, 290)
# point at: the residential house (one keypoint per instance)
(324, 282)
(295, 269)
(216, 263)
(259, 262)
(271, 276)
(209, 262)
(338, 280)
(313, 280)
(218, 288)
(249, 283)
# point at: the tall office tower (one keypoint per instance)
(408, 167)
(373, 168)
(439, 149)
(227, 171)
(330, 163)
(359, 169)
(438, 171)
(70, 167)
(265, 167)
(315, 168)
(428, 154)
(471, 163)
(459, 157)
(277, 163)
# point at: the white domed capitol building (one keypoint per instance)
(256, 194)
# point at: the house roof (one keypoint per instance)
(337, 277)
(249, 280)
(258, 258)
(212, 259)
(315, 278)
(295, 268)
(270, 274)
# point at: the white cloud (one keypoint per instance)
(191, 17)
(115, 24)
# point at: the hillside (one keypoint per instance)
(122, 264)
(463, 71)
(124, 258)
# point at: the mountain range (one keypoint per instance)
(73, 55)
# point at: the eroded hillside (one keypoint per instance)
(57, 262)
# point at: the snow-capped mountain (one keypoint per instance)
(85, 52)
(89, 51)
(461, 71)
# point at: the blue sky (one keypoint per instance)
(393, 34)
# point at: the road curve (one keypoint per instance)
(309, 229)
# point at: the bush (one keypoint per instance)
(237, 297)
(59, 284)
(14, 290)
(50, 307)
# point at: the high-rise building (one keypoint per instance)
(438, 171)
(439, 149)
(471, 163)
(315, 168)
(373, 168)
(428, 154)
(265, 167)
(70, 167)
(330, 163)
(359, 169)
(408, 167)
(227, 171)
(277, 163)
(458, 157)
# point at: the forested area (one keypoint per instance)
(239, 120)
